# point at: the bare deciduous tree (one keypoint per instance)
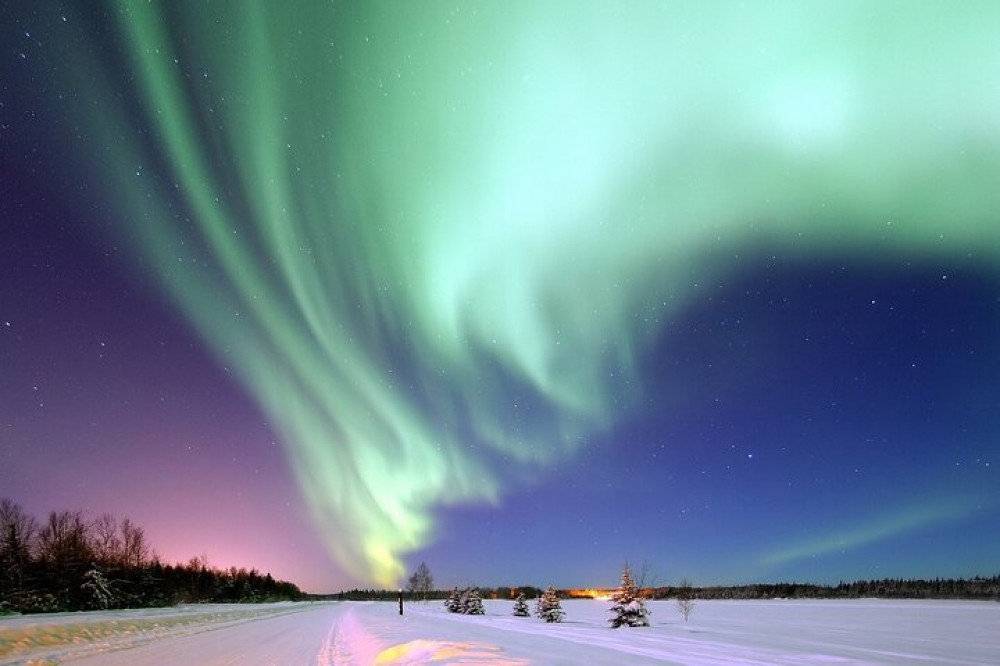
(64, 555)
(135, 550)
(645, 580)
(421, 582)
(105, 541)
(685, 599)
(63, 540)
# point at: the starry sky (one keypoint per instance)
(519, 289)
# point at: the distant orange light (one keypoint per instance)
(587, 594)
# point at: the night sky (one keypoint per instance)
(522, 290)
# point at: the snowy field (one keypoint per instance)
(326, 634)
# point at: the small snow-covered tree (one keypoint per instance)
(521, 607)
(548, 607)
(626, 606)
(472, 603)
(685, 599)
(102, 596)
(454, 601)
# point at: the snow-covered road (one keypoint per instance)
(209, 634)
(294, 637)
(359, 633)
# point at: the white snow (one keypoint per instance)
(331, 634)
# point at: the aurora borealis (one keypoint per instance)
(727, 261)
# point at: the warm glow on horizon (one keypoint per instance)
(588, 593)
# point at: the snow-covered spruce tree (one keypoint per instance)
(454, 601)
(97, 587)
(627, 607)
(548, 607)
(473, 603)
(521, 607)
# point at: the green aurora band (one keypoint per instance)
(879, 525)
(433, 239)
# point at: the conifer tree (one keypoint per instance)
(472, 602)
(521, 607)
(96, 584)
(454, 601)
(627, 607)
(548, 607)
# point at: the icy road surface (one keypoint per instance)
(326, 634)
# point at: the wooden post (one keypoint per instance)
(401, 602)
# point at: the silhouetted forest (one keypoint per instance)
(886, 588)
(978, 588)
(529, 591)
(67, 563)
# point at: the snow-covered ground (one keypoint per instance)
(328, 634)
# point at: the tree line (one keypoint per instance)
(977, 588)
(68, 563)
(372, 594)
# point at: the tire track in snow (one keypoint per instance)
(348, 643)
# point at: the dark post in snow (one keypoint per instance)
(400, 601)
